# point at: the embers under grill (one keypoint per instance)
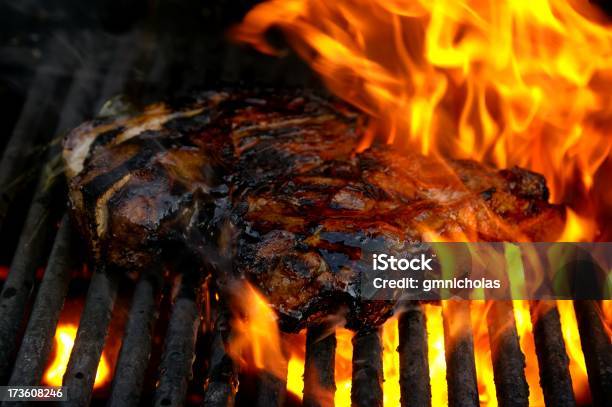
(219, 380)
(156, 348)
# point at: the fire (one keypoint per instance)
(435, 354)
(606, 307)
(482, 354)
(520, 82)
(65, 335)
(577, 227)
(577, 365)
(257, 344)
(524, 328)
(295, 375)
(295, 346)
(256, 339)
(504, 82)
(391, 372)
(522, 315)
(343, 367)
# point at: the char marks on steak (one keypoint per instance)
(268, 186)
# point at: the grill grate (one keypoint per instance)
(109, 68)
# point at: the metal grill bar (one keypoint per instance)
(37, 230)
(414, 365)
(179, 348)
(459, 347)
(508, 359)
(597, 348)
(28, 256)
(222, 382)
(319, 381)
(552, 358)
(271, 390)
(91, 335)
(38, 337)
(366, 389)
(136, 345)
(39, 102)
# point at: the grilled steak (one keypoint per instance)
(269, 187)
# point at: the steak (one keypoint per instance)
(269, 187)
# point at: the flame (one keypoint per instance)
(343, 367)
(391, 370)
(256, 339)
(257, 343)
(577, 228)
(606, 308)
(295, 375)
(524, 328)
(65, 335)
(521, 82)
(435, 354)
(484, 367)
(573, 347)
(391, 367)
(482, 354)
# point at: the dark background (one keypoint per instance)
(176, 45)
(62, 60)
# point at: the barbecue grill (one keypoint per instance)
(173, 340)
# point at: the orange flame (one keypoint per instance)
(435, 353)
(391, 371)
(257, 343)
(571, 336)
(521, 82)
(509, 83)
(295, 375)
(482, 354)
(343, 367)
(606, 307)
(577, 228)
(65, 335)
(524, 328)
(256, 339)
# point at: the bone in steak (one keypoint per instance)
(268, 186)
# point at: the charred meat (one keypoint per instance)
(269, 187)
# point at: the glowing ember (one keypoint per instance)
(65, 335)
(509, 83)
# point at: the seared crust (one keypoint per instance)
(306, 236)
(137, 183)
(268, 186)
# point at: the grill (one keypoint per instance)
(78, 69)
